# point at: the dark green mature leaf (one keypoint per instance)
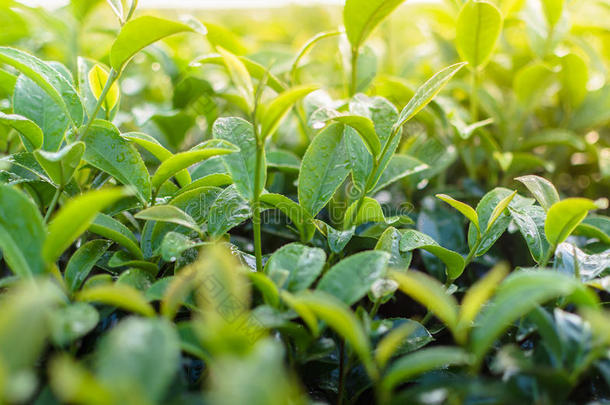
(351, 278)
(485, 210)
(518, 294)
(21, 233)
(478, 28)
(82, 261)
(542, 189)
(32, 134)
(242, 164)
(143, 31)
(139, 358)
(426, 92)
(229, 210)
(412, 239)
(324, 168)
(109, 152)
(389, 241)
(295, 267)
(530, 221)
(31, 101)
(74, 219)
(360, 18)
(47, 78)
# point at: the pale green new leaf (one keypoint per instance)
(478, 28)
(74, 218)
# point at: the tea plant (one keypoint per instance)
(192, 215)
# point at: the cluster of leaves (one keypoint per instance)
(211, 230)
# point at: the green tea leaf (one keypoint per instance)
(139, 359)
(239, 75)
(272, 114)
(28, 129)
(478, 28)
(351, 278)
(82, 261)
(143, 31)
(422, 361)
(552, 10)
(157, 150)
(564, 216)
(476, 297)
(361, 17)
(370, 211)
(73, 322)
(573, 77)
(168, 213)
(389, 241)
(324, 168)
(300, 218)
(412, 240)
(426, 93)
(518, 294)
(180, 161)
(339, 317)
(463, 208)
(499, 210)
(365, 128)
(21, 233)
(242, 164)
(108, 227)
(98, 78)
(543, 190)
(229, 210)
(530, 221)
(109, 152)
(294, 267)
(430, 293)
(74, 219)
(398, 168)
(47, 78)
(117, 295)
(60, 166)
(485, 209)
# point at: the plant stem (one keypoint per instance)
(547, 256)
(256, 208)
(112, 77)
(473, 251)
(341, 372)
(474, 96)
(53, 204)
(354, 72)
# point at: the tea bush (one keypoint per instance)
(378, 204)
